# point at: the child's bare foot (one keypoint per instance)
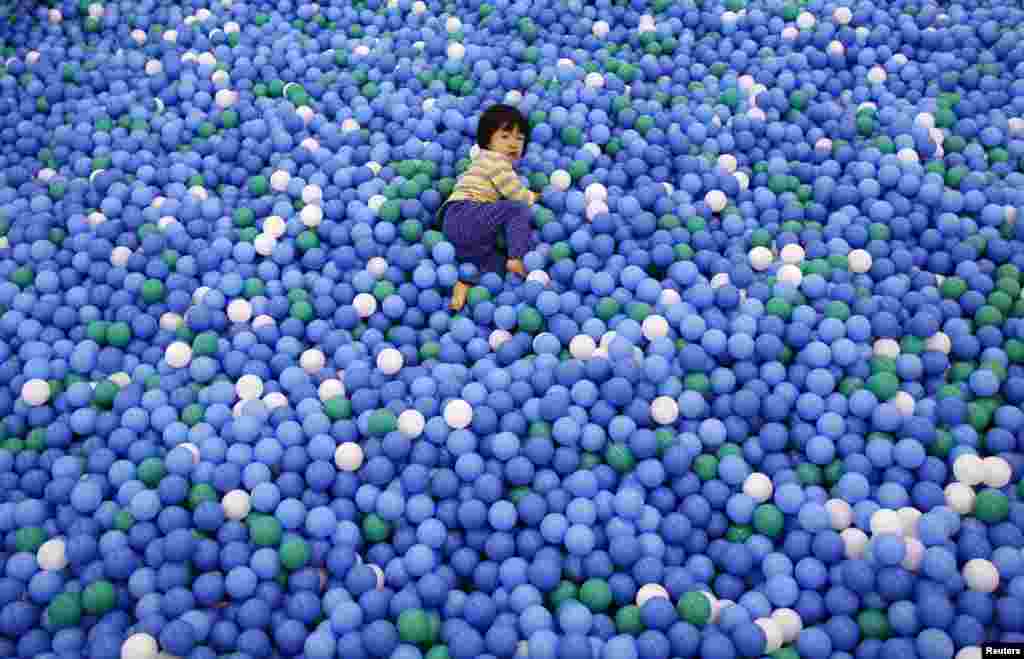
(459, 294)
(516, 266)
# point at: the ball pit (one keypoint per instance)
(759, 394)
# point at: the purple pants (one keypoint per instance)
(472, 227)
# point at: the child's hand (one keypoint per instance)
(516, 266)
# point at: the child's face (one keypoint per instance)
(509, 141)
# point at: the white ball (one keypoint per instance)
(970, 469)
(365, 304)
(120, 378)
(411, 423)
(842, 15)
(669, 296)
(249, 387)
(758, 487)
(330, 388)
(458, 414)
(236, 504)
(594, 150)
(377, 267)
(231, 27)
(311, 215)
(140, 646)
(840, 514)
(760, 258)
(264, 244)
(960, 498)
(855, 542)
(170, 321)
(54, 16)
(594, 80)
(263, 320)
(836, 49)
(312, 360)
(1016, 125)
(220, 77)
(419, 7)
(772, 634)
(582, 346)
(539, 276)
(193, 449)
(275, 226)
(306, 113)
(997, 471)
(310, 144)
(456, 51)
(239, 311)
(275, 400)
(595, 191)
(498, 337)
(860, 261)
(279, 180)
(35, 392)
(225, 98)
(595, 208)
(939, 342)
(52, 555)
(453, 24)
(716, 200)
(756, 114)
(655, 327)
(805, 20)
(178, 354)
(96, 218)
(165, 221)
(720, 280)
(390, 361)
(790, 33)
(199, 192)
(348, 456)
(727, 161)
(909, 516)
(312, 194)
(349, 125)
(664, 410)
(790, 274)
(886, 521)
(600, 29)
(512, 97)
(649, 591)
(877, 75)
(981, 575)
(914, 554)
(560, 179)
(908, 155)
(154, 67)
(119, 256)
(792, 253)
(743, 179)
(790, 622)
(904, 403)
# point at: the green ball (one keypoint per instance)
(695, 608)
(706, 467)
(23, 277)
(97, 331)
(768, 520)
(873, 624)
(99, 598)
(381, 422)
(627, 620)
(119, 334)
(883, 385)
(338, 407)
(375, 528)
(620, 458)
(29, 539)
(294, 553)
(530, 320)
(65, 610)
(152, 291)
(414, 626)
(264, 530)
(596, 595)
(152, 471)
(991, 506)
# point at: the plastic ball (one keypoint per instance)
(348, 456)
(35, 392)
(390, 361)
(458, 414)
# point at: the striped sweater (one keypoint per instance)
(490, 177)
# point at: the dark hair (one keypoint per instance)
(497, 117)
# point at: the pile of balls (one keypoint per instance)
(760, 394)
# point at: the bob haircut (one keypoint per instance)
(497, 117)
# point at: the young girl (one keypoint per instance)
(489, 196)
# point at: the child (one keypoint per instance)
(488, 196)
